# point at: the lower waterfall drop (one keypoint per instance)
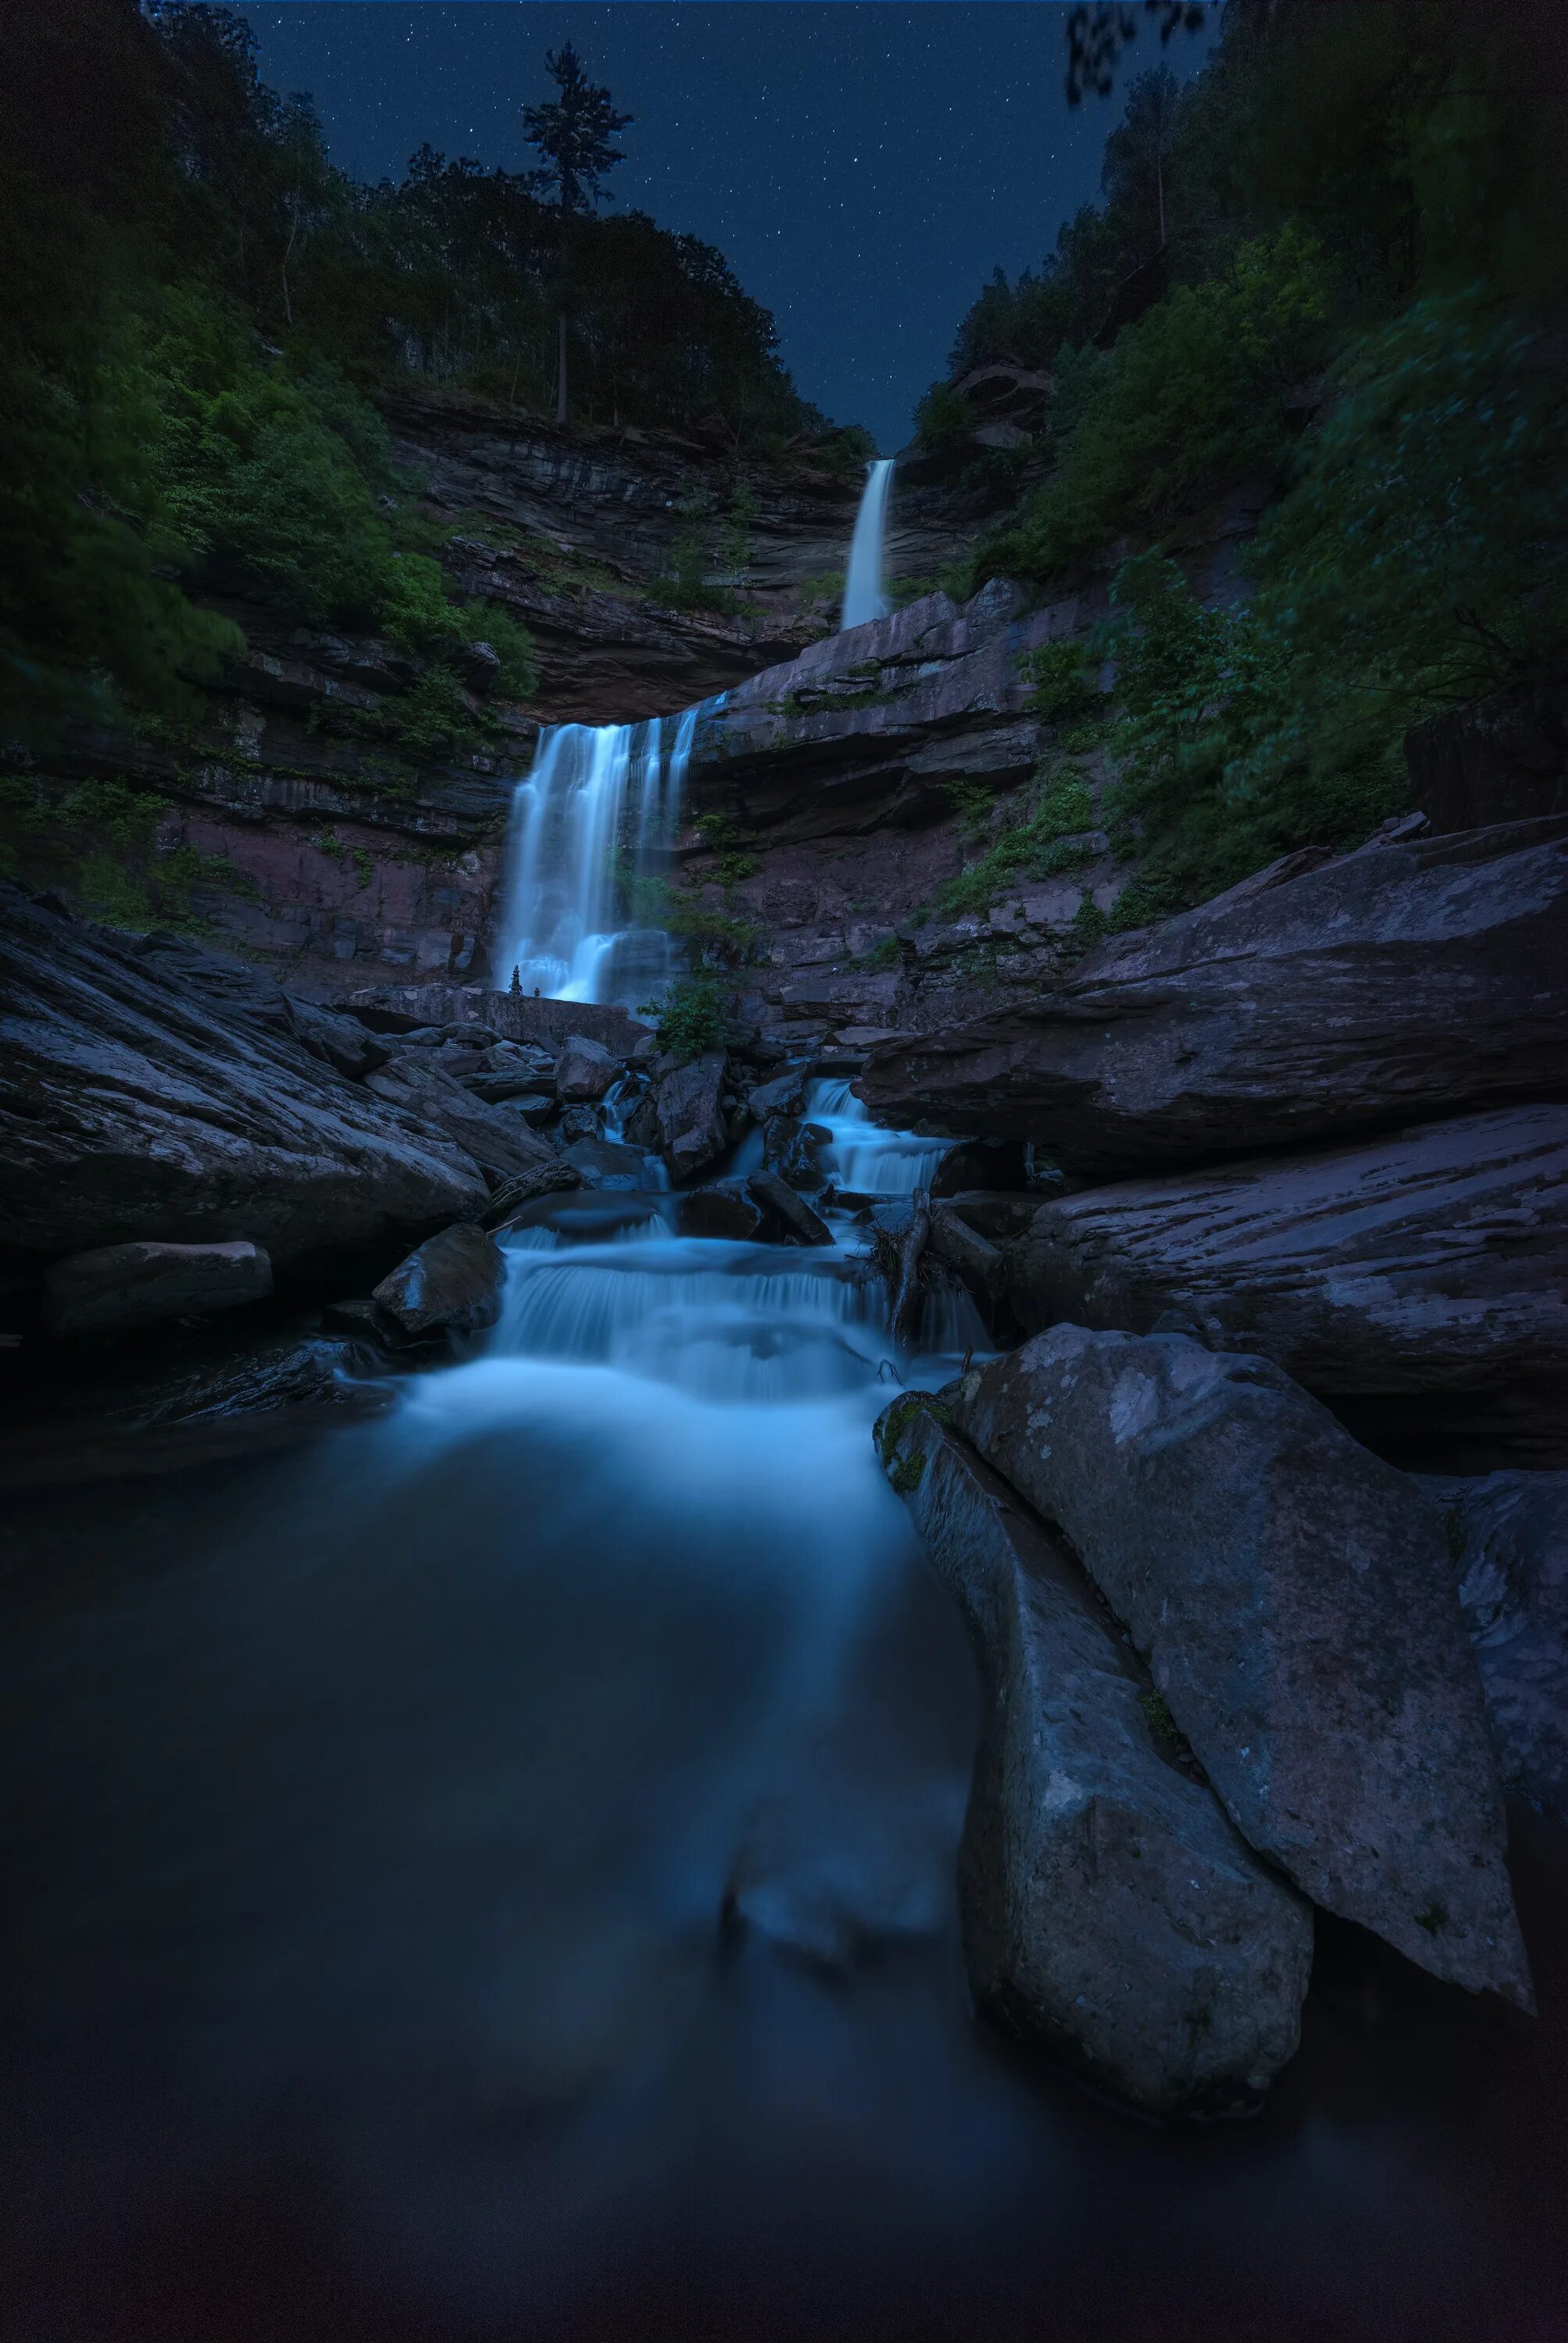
(563, 930)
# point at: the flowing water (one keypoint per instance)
(863, 597)
(592, 828)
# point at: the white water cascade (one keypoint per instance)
(862, 1156)
(863, 599)
(601, 801)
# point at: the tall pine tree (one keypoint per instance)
(574, 135)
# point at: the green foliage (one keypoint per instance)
(944, 418)
(1063, 685)
(733, 870)
(714, 830)
(1191, 399)
(693, 1016)
(436, 718)
(1048, 841)
(97, 843)
(882, 958)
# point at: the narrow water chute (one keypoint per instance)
(863, 597)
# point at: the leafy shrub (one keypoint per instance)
(1047, 843)
(693, 1016)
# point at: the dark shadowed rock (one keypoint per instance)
(976, 1163)
(584, 1071)
(1295, 1600)
(1505, 758)
(792, 1213)
(973, 1259)
(724, 1208)
(793, 1149)
(685, 1109)
(131, 1108)
(451, 1284)
(438, 1101)
(1435, 1260)
(341, 1042)
(117, 1287)
(1509, 1535)
(1417, 978)
(558, 1176)
(785, 1095)
(606, 1163)
(1111, 1912)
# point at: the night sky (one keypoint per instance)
(863, 166)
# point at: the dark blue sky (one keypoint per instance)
(862, 165)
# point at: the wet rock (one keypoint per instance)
(1435, 1260)
(341, 1042)
(1508, 1533)
(585, 1070)
(977, 1264)
(1111, 1912)
(580, 1122)
(724, 1208)
(685, 1109)
(792, 1212)
(134, 1107)
(116, 1288)
(785, 1095)
(553, 1178)
(606, 1163)
(1296, 1602)
(793, 1149)
(451, 1284)
(501, 1141)
(1410, 980)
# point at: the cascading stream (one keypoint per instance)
(863, 597)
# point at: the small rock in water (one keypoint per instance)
(116, 1288)
(451, 1284)
(541, 1180)
(605, 1163)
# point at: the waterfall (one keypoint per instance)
(863, 585)
(862, 1156)
(573, 845)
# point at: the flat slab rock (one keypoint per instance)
(1111, 1913)
(1435, 1260)
(1509, 1535)
(137, 1103)
(1295, 1600)
(1415, 978)
(117, 1288)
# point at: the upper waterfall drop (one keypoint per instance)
(564, 927)
(863, 599)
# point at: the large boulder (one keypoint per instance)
(683, 1115)
(791, 1213)
(1413, 978)
(1296, 1603)
(435, 1100)
(116, 1288)
(1435, 1260)
(584, 1071)
(724, 1208)
(451, 1284)
(1111, 1911)
(134, 1107)
(1509, 1535)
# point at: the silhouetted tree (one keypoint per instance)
(574, 134)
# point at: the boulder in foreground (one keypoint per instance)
(1413, 979)
(116, 1288)
(451, 1284)
(1295, 1600)
(1111, 1911)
